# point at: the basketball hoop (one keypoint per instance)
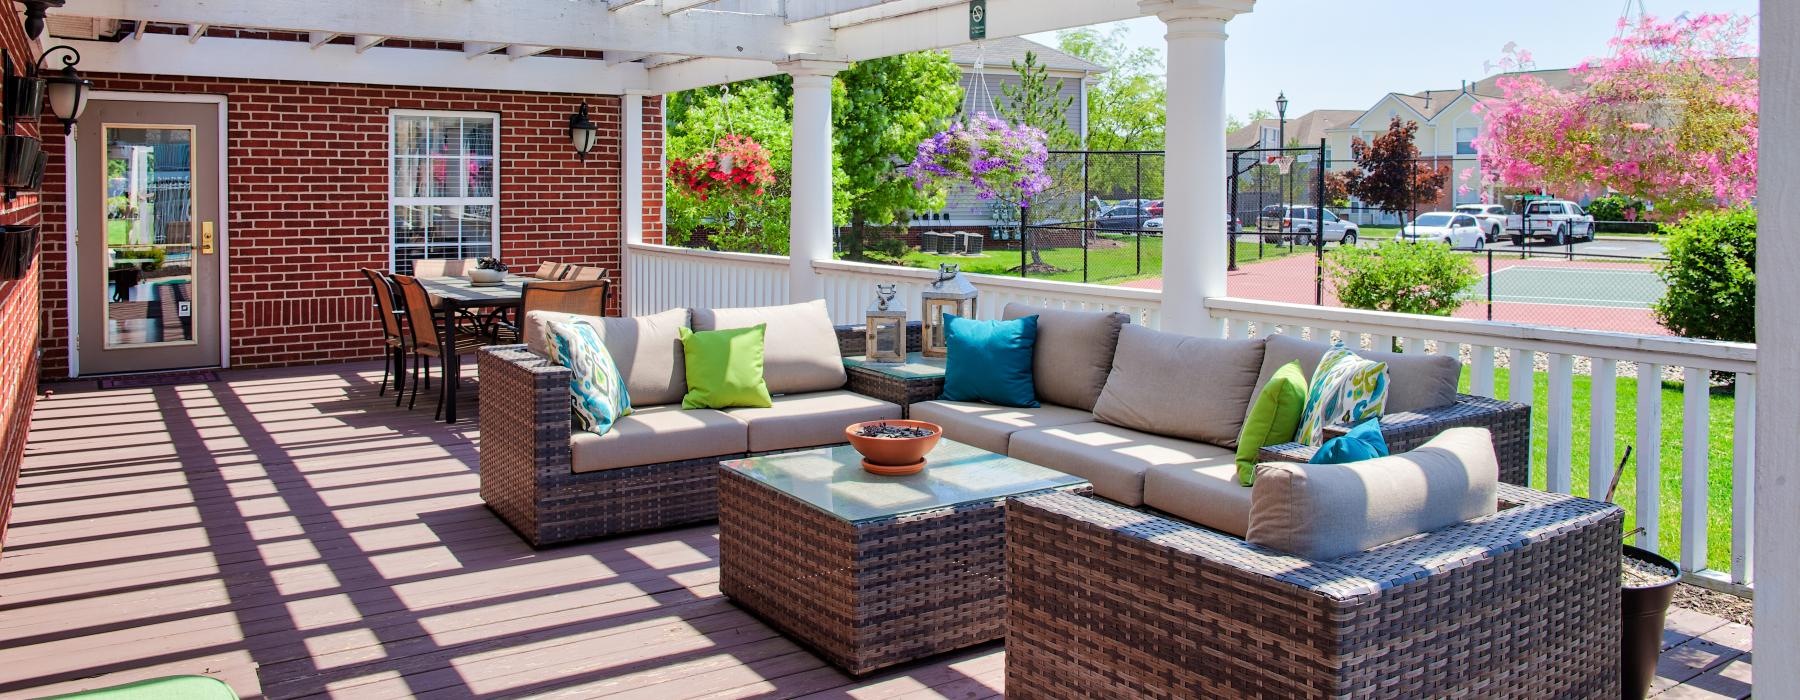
(1284, 164)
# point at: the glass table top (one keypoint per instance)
(832, 479)
(917, 366)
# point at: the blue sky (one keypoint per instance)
(1336, 54)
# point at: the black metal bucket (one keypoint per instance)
(1644, 610)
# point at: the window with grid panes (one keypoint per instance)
(445, 194)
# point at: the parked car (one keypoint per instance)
(1123, 217)
(1557, 221)
(1300, 222)
(1492, 218)
(1456, 229)
(1155, 207)
(1155, 224)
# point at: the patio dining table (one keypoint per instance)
(453, 294)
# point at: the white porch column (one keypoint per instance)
(809, 227)
(631, 169)
(1777, 504)
(1194, 247)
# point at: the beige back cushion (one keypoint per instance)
(1325, 511)
(1074, 352)
(646, 349)
(1415, 381)
(800, 350)
(1180, 386)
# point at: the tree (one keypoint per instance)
(697, 121)
(881, 109)
(1669, 116)
(1125, 111)
(1387, 175)
(1037, 101)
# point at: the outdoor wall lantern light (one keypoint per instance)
(67, 90)
(582, 132)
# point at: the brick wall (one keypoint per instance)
(19, 317)
(308, 203)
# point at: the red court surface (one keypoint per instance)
(1570, 305)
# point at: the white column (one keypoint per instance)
(809, 227)
(631, 169)
(1194, 245)
(1777, 508)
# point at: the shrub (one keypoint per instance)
(1410, 278)
(1617, 213)
(1711, 276)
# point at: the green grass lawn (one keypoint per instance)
(1720, 416)
(118, 232)
(1104, 265)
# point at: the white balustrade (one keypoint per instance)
(661, 277)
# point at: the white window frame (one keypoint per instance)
(395, 202)
(1457, 137)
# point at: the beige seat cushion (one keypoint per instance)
(809, 420)
(1325, 511)
(1114, 459)
(1181, 386)
(1204, 492)
(646, 349)
(801, 351)
(658, 434)
(989, 427)
(1415, 381)
(1074, 352)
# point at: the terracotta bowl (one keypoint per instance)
(894, 456)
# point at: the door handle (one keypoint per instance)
(206, 238)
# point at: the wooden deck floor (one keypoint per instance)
(292, 534)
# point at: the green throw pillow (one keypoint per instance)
(725, 368)
(1273, 418)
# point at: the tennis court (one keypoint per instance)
(1625, 288)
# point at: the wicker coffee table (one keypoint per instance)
(871, 571)
(918, 379)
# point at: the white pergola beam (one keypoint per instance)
(613, 57)
(518, 51)
(137, 30)
(670, 7)
(803, 10)
(945, 26)
(318, 39)
(616, 5)
(291, 60)
(576, 25)
(195, 31)
(364, 42)
(471, 49)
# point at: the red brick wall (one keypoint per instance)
(308, 199)
(19, 317)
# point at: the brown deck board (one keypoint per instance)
(295, 535)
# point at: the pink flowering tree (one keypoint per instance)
(1669, 117)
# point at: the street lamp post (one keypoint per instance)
(1281, 103)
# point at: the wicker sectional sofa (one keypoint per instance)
(657, 467)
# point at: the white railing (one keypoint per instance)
(661, 277)
(849, 287)
(1559, 350)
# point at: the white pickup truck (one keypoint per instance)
(1556, 221)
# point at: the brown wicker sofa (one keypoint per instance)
(658, 467)
(1107, 601)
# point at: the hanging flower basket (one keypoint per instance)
(1000, 160)
(736, 165)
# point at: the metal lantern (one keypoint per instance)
(885, 332)
(952, 293)
(583, 134)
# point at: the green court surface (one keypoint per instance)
(1635, 288)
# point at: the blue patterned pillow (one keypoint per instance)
(596, 389)
(1345, 389)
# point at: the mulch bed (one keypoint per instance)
(1721, 605)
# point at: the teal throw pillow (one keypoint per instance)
(990, 361)
(1363, 442)
(597, 392)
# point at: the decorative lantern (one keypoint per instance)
(582, 132)
(885, 334)
(67, 90)
(953, 294)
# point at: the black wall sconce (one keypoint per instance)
(582, 132)
(67, 90)
(22, 158)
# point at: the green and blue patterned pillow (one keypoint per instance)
(596, 388)
(1344, 389)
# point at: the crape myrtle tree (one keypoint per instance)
(1669, 116)
(881, 109)
(1387, 175)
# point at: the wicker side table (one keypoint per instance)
(871, 571)
(919, 379)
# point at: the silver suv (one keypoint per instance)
(1301, 222)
